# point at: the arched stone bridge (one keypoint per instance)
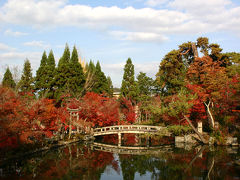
(136, 129)
(127, 129)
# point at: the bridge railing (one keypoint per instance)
(127, 128)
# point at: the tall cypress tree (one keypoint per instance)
(76, 77)
(26, 82)
(61, 79)
(110, 86)
(8, 79)
(129, 86)
(50, 70)
(100, 81)
(41, 76)
(65, 59)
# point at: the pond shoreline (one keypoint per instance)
(178, 140)
(45, 148)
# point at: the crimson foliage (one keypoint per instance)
(97, 109)
(24, 119)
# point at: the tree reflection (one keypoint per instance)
(68, 162)
(82, 162)
(180, 164)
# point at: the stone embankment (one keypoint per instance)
(194, 139)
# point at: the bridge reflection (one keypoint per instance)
(137, 150)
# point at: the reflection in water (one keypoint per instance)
(78, 161)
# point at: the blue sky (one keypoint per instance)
(113, 30)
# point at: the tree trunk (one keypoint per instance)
(210, 169)
(195, 157)
(78, 123)
(70, 127)
(60, 133)
(70, 155)
(210, 116)
(195, 52)
(195, 130)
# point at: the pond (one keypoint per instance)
(98, 161)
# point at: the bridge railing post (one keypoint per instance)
(119, 139)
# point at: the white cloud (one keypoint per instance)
(145, 24)
(154, 3)
(5, 47)
(45, 14)
(13, 58)
(214, 15)
(39, 44)
(9, 32)
(201, 6)
(14, 55)
(150, 68)
(139, 36)
(116, 70)
(113, 67)
(30, 11)
(60, 46)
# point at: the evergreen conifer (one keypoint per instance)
(129, 86)
(65, 57)
(110, 86)
(8, 79)
(145, 84)
(63, 73)
(171, 74)
(26, 82)
(77, 78)
(51, 71)
(41, 76)
(100, 81)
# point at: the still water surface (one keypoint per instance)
(79, 161)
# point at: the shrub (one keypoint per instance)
(179, 130)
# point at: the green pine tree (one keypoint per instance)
(233, 68)
(26, 82)
(77, 78)
(129, 86)
(110, 86)
(100, 81)
(171, 74)
(50, 73)
(8, 79)
(63, 73)
(41, 76)
(69, 76)
(145, 90)
(145, 84)
(65, 57)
